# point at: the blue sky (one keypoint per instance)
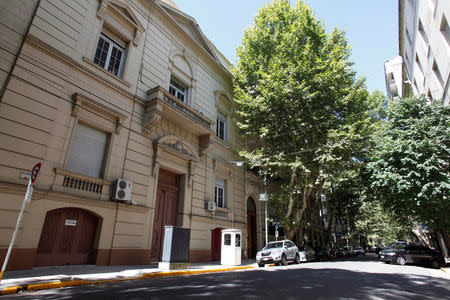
(371, 28)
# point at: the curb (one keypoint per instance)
(445, 271)
(60, 284)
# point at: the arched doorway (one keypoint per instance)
(216, 246)
(251, 228)
(67, 238)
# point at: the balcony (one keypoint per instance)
(81, 185)
(163, 105)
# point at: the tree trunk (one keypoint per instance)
(309, 184)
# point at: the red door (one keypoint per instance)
(165, 211)
(67, 238)
(216, 245)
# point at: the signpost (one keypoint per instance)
(26, 199)
(264, 197)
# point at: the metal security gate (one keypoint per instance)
(67, 238)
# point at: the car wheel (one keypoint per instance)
(435, 264)
(260, 265)
(297, 259)
(401, 260)
(283, 260)
(276, 264)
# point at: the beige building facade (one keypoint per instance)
(424, 47)
(129, 109)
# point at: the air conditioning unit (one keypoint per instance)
(122, 190)
(210, 206)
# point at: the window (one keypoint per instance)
(419, 64)
(422, 32)
(88, 151)
(445, 29)
(219, 193)
(178, 90)
(437, 73)
(109, 55)
(408, 36)
(238, 240)
(221, 126)
(227, 239)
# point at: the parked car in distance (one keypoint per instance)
(322, 254)
(349, 250)
(359, 251)
(341, 252)
(412, 254)
(279, 252)
(309, 253)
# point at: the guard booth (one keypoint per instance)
(231, 247)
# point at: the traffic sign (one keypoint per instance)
(35, 172)
(263, 197)
(29, 194)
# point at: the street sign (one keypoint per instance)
(277, 225)
(26, 199)
(263, 197)
(29, 194)
(276, 233)
(35, 172)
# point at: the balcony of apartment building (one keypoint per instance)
(170, 106)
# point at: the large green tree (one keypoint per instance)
(409, 172)
(299, 105)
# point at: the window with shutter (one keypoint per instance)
(221, 126)
(88, 151)
(219, 193)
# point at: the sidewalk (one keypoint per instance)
(61, 276)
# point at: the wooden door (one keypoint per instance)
(165, 210)
(216, 243)
(67, 238)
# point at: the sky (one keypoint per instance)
(371, 28)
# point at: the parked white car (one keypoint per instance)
(279, 252)
(308, 253)
(359, 251)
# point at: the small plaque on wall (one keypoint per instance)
(70, 222)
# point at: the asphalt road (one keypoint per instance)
(356, 278)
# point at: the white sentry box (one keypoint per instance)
(231, 247)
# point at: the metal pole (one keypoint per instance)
(13, 239)
(265, 206)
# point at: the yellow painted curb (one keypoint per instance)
(445, 271)
(11, 290)
(60, 284)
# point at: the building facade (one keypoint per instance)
(424, 45)
(129, 107)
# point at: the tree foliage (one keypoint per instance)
(299, 105)
(380, 226)
(409, 170)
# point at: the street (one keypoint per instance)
(355, 278)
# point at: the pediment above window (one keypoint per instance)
(223, 101)
(118, 15)
(85, 108)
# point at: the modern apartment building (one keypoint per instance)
(424, 45)
(128, 107)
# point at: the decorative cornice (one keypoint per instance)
(82, 101)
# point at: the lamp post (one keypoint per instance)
(265, 207)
